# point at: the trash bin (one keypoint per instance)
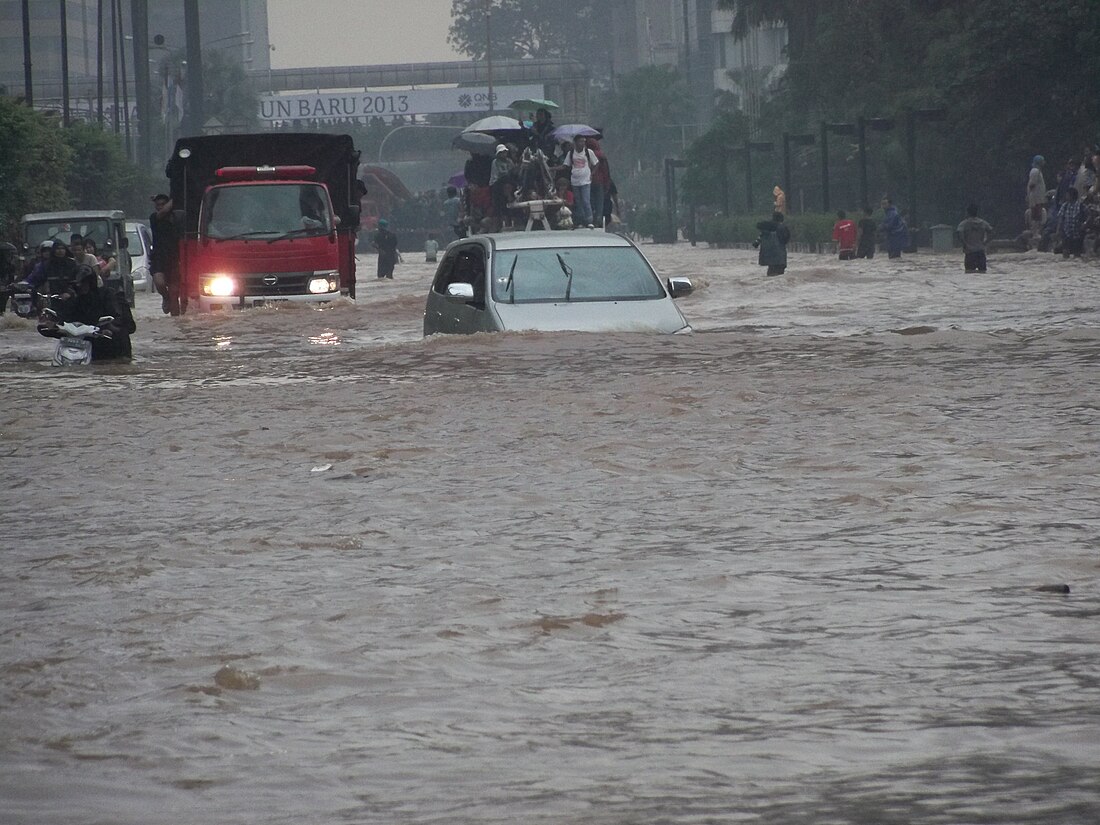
(943, 238)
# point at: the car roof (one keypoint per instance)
(74, 215)
(552, 240)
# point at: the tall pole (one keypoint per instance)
(748, 178)
(65, 111)
(195, 96)
(125, 85)
(489, 49)
(99, 61)
(28, 77)
(114, 64)
(824, 167)
(787, 165)
(139, 19)
(911, 152)
(861, 127)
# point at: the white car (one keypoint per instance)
(551, 281)
(141, 243)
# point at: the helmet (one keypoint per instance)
(83, 273)
(45, 245)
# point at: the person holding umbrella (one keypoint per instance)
(542, 133)
(580, 161)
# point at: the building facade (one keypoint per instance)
(237, 27)
(696, 37)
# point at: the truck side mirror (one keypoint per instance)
(124, 242)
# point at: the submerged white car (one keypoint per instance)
(551, 282)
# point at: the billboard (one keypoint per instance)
(389, 103)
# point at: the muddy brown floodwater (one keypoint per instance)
(300, 565)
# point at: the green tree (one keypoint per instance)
(575, 29)
(100, 176)
(647, 113)
(34, 162)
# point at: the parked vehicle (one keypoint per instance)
(140, 244)
(551, 281)
(106, 227)
(266, 217)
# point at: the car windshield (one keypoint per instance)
(136, 246)
(64, 230)
(266, 211)
(573, 274)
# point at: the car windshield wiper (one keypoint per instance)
(508, 285)
(569, 274)
(293, 232)
(239, 235)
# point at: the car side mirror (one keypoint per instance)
(124, 243)
(679, 287)
(460, 293)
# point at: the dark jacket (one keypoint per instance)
(93, 305)
(773, 243)
(166, 239)
(386, 243)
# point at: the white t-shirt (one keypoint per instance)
(581, 167)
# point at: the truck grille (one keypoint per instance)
(276, 283)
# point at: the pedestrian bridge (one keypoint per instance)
(565, 81)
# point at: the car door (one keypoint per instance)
(465, 263)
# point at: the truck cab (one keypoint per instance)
(267, 218)
(266, 234)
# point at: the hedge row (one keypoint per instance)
(808, 228)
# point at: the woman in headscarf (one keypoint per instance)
(780, 200)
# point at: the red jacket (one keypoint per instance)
(601, 175)
(844, 233)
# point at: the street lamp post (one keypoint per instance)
(489, 50)
(878, 124)
(750, 146)
(195, 117)
(913, 116)
(826, 129)
(788, 141)
(139, 20)
(671, 165)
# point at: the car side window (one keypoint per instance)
(465, 265)
(443, 274)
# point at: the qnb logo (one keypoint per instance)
(465, 101)
(271, 280)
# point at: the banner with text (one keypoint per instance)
(402, 103)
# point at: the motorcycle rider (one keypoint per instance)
(85, 302)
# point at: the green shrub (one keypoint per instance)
(809, 228)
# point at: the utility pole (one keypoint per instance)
(139, 19)
(65, 112)
(28, 78)
(125, 84)
(99, 61)
(489, 49)
(195, 96)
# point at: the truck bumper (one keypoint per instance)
(209, 303)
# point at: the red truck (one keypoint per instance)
(268, 217)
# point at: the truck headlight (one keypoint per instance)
(323, 282)
(219, 286)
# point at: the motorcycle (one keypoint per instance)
(74, 340)
(23, 299)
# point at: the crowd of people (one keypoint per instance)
(1064, 219)
(569, 182)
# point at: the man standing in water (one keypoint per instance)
(165, 256)
(975, 234)
(386, 244)
(893, 225)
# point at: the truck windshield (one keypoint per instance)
(63, 230)
(267, 210)
(574, 274)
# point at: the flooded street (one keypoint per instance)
(301, 565)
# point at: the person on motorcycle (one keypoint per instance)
(85, 302)
(56, 272)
